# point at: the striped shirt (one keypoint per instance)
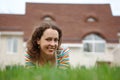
(62, 58)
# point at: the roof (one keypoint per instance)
(70, 17)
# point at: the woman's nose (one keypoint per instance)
(52, 43)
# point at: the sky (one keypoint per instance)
(18, 6)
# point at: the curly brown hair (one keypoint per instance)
(32, 47)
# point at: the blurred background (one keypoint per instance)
(91, 29)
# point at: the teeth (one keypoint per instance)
(51, 48)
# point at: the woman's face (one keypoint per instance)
(49, 41)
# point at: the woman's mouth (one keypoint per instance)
(51, 49)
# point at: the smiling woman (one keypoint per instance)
(44, 47)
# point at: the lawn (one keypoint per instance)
(52, 73)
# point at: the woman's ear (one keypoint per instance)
(38, 41)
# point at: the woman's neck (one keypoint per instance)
(46, 59)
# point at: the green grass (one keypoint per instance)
(52, 73)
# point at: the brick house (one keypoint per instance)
(89, 30)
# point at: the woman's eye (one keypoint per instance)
(49, 39)
(56, 40)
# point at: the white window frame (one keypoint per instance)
(93, 42)
(12, 45)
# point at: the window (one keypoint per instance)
(91, 19)
(12, 44)
(48, 18)
(93, 43)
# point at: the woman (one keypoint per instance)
(44, 47)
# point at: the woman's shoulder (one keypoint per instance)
(28, 61)
(27, 55)
(63, 51)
